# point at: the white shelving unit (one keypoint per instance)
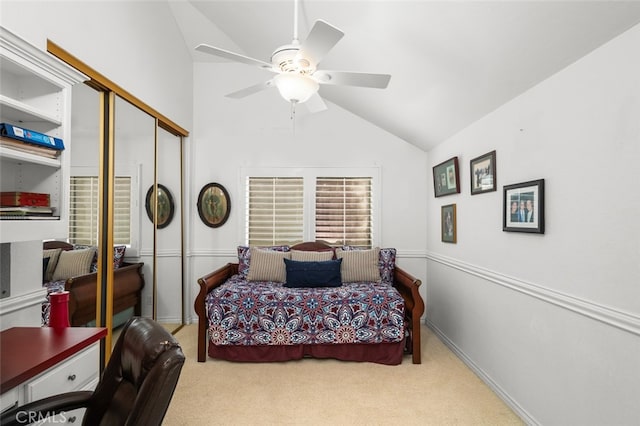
(35, 93)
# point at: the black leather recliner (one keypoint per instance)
(135, 388)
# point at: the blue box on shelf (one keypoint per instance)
(31, 136)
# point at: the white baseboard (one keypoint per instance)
(502, 394)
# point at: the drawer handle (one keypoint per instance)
(72, 377)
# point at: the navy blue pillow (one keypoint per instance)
(313, 274)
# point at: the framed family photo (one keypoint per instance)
(483, 173)
(448, 220)
(523, 207)
(446, 178)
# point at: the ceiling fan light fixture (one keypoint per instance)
(295, 64)
(294, 87)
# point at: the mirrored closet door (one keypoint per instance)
(169, 238)
(134, 145)
(122, 140)
(152, 157)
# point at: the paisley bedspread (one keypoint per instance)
(267, 313)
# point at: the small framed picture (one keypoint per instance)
(448, 219)
(446, 178)
(214, 205)
(483, 173)
(523, 207)
(165, 205)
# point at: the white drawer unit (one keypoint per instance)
(38, 362)
(73, 416)
(68, 376)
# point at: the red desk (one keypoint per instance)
(26, 352)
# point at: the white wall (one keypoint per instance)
(136, 44)
(230, 134)
(24, 307)
(551, 321)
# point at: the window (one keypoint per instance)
(313, 205)
(275, 210)
(83, 210)
(343, 211)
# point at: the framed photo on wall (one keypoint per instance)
(483, 173)
(214, 205)
(446, 178)
(448, 224)
(523, 207)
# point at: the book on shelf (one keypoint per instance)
(15, 132)
(21, 199)
(30, 148)
(26, 212)
(28, 217)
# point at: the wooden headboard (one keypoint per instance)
(312, 246)
(57, 244)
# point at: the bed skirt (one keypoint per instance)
(380, 353)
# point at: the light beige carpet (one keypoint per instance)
(440, 391)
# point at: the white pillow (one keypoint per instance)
(311, 256)
(267, 265)
(359, 265)
(73, 263)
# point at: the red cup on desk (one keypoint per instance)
(59, 313)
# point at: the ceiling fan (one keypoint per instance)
(297, 76)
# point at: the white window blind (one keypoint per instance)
(122, 210)
(83, 210)
(275, 210)
(344, 211)
(288, 209)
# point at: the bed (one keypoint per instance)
(246, 318)
(81, 283)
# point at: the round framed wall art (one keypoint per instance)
(165, 205)
(214, 205)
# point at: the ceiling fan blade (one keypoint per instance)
(205, 48)
(315, 103)
(344, 78)
(250, 90)
(321, 39)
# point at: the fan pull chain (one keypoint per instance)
(293, 116)
(293, 109)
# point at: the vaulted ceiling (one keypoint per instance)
(451, 62)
